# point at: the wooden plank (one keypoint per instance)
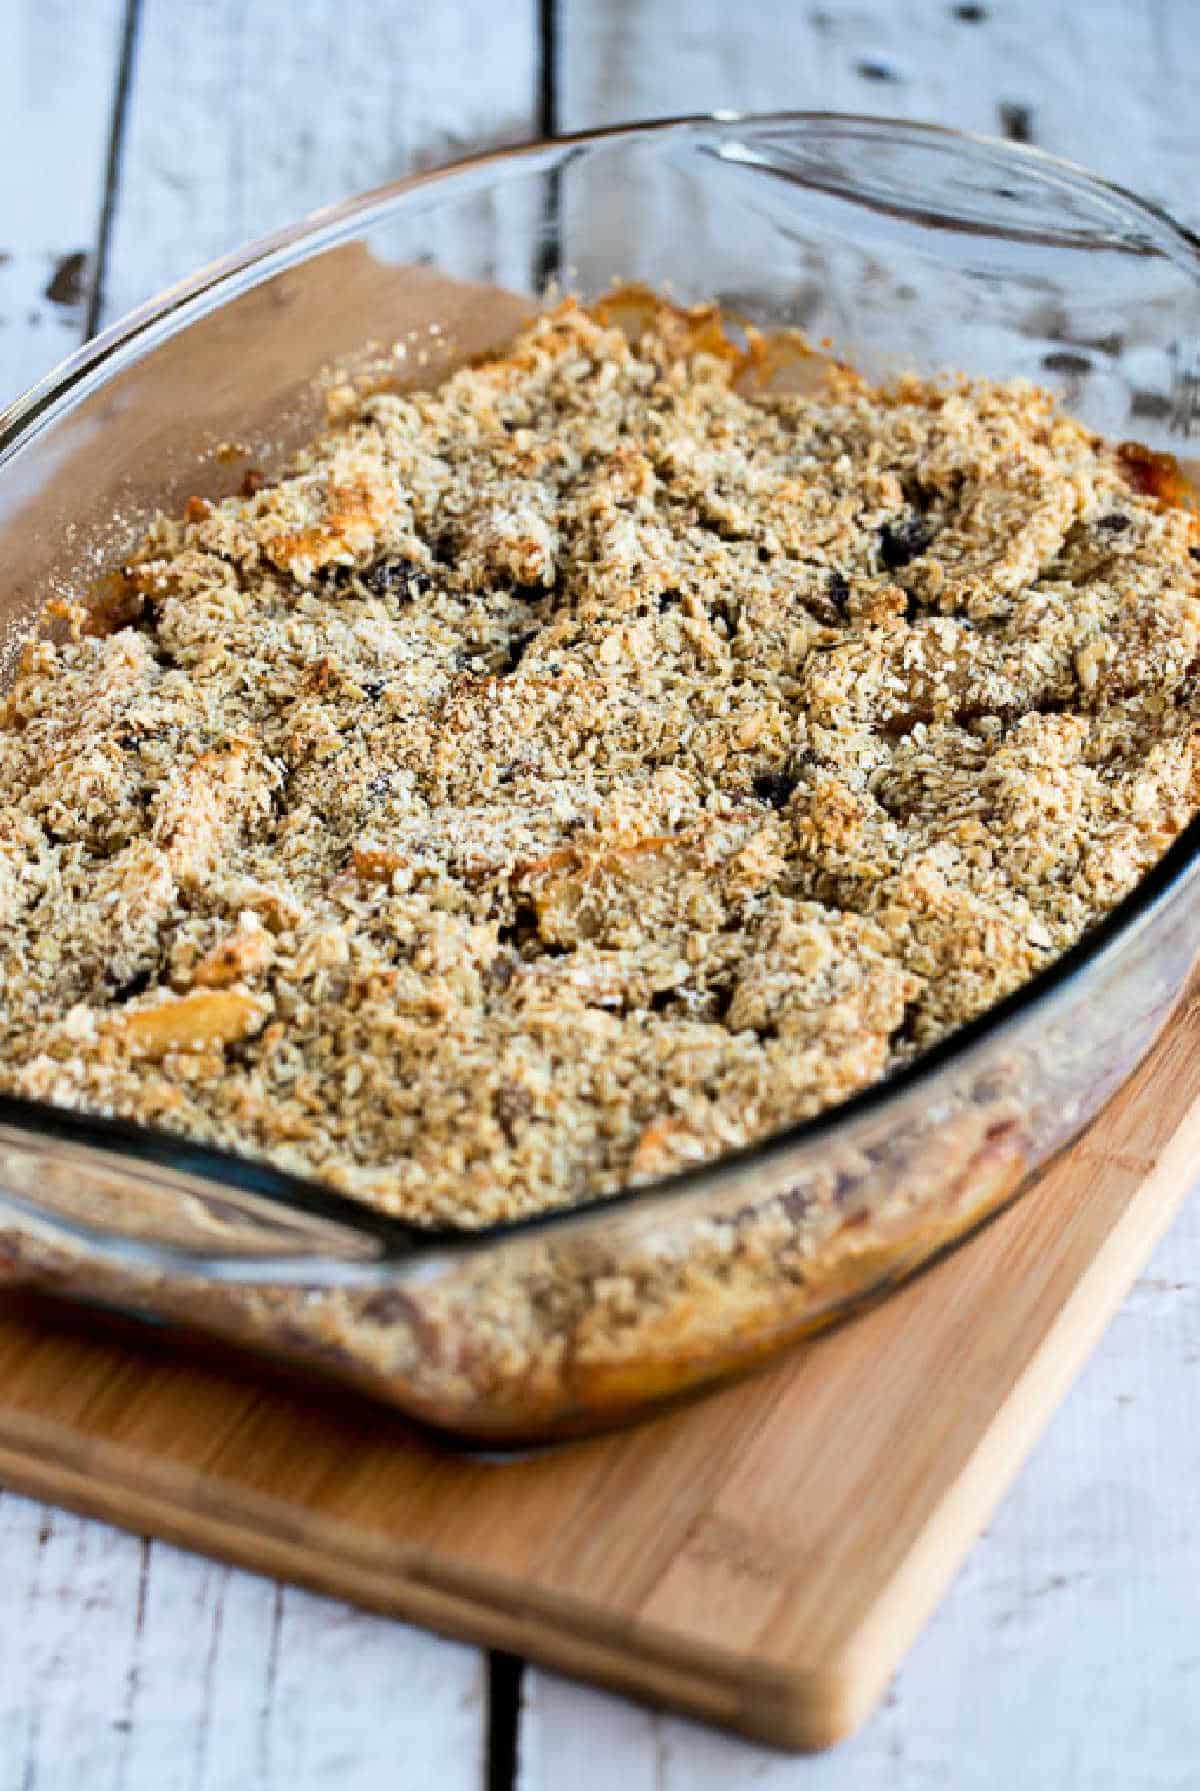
(57, 81)
(243, 118)
(299, 1689)
(750, 1558)
(1109, 85)
(126, 1662)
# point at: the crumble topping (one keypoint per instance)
(590, 766)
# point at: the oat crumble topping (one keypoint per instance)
(589, 766)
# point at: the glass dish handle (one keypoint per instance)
(137, 1212)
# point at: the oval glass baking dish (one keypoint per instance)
(909, 248)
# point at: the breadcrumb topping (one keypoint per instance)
(590, 766)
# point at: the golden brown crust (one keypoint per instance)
(591, 766)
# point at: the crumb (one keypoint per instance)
(585, 768)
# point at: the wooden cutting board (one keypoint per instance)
(761, 1557)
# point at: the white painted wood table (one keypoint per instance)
(139, 138)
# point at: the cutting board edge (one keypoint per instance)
(784, 1708)
(904, 1604)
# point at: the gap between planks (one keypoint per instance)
(112, 167)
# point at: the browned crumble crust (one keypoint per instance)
(591, 766)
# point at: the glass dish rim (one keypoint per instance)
(246, 267)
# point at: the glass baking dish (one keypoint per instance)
(906, 247)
